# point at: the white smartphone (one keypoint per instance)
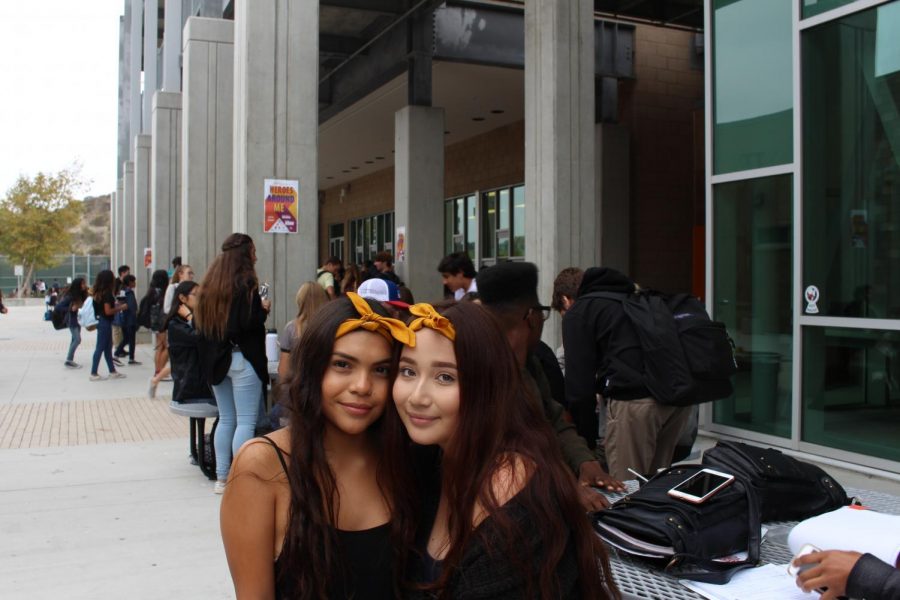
(792, 570)
(701, 486)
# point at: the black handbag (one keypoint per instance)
(788, 489)
(682, 538)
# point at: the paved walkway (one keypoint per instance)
(97, 498)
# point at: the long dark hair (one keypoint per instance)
(230, 273)
(76, 290)
(103, 284)
(498, 423)
(309, 553)
(159, 279)
(183, 289)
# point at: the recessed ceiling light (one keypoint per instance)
(370, 162)
(354, 168)
(497, 111)
(346, 170)
(478, 119)
(446, 133)
(329, 177)
(379, 158)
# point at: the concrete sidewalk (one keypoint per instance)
(97, 498)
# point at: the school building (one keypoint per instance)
(741, 149)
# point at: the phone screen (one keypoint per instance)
(701, 484)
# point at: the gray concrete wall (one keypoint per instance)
(165, 178)
(613, 173)
(171, 80)
(142, 153)
(419, 196)
(124, 97)
(113, 251)
(127, 218)
(559, 142)
(276, 53)
(207, 138)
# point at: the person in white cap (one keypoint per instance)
(383, 291)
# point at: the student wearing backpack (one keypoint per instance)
(603, 354)
(127, 320)
(105, 308)
(72, 299)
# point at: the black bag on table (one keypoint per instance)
(788, 489)
(688, 536)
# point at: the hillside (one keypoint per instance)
(91, 235)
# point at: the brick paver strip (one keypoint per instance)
(80, 423)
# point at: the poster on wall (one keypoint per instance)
(148, 258)
(282, 200)
(400, 254)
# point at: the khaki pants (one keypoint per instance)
(642, 434)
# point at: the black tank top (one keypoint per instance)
(365, 561)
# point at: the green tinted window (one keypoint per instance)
(812, 8)
(851, 164)
(752, 292)
(753, 86)
(851, 390)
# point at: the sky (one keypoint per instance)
(59, 62)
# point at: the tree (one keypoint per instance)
(35, 217)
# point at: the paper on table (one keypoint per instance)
(760, 583)
(849, 528)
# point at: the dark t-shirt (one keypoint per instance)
(107, 298)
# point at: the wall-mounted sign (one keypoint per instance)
(282, 200)
(812, 298)
(148, 258)
(400, 255)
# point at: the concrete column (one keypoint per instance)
(124, 97)
(142, 149)
(151, 24)
(559, 141)
(165, 178)
(276, 87)
(127, 218)
(419, 196)
(135, 10)
(171, 72)
(112, 228)
(117, 224)
(207, 151)
(613, 176)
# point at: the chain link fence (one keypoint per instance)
(66, 267)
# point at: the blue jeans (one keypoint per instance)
(104, 346)
(238, 398)
(75, 330)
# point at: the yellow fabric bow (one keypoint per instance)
(371, 321)
(428, 317)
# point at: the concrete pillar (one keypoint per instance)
(419, 196)
(126, 219)
(207, 151)
(117, 224)
(559, 141)
(613, 176)
(142, 149)
(276, 87)
(124, 97)
(171, 71)
(151, 24)
(135, 10)
(112, 228)
(165, 178)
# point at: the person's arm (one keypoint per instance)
(247, 520)
(849, 574)
(581, 374)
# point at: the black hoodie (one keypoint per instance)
(603, 353)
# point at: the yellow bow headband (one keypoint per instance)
(428, 317)
(371, 321)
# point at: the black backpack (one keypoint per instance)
(682, 538)
(148, 306)
(58, 316)
(788, 489)
(688, 357)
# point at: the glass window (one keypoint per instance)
(448, 226)
(752, 291)
(503, 233)
(370, 235)
(519, 221)
(471, 226)
(812, 8)
(489, 225)
(851, 390)
(336, 240)
(753, 86)
(851, 165)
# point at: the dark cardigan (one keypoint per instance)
(246, 329)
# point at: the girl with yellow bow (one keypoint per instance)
(307, 510)
(497, 514)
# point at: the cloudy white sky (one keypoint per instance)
(58, 89)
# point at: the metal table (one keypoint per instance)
(639, 581)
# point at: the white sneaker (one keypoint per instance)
(219, 487)
(95, 377)
(151, 389)
(116, 375)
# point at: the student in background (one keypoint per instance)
(127, 320)
(105, 308)
(73, 298)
